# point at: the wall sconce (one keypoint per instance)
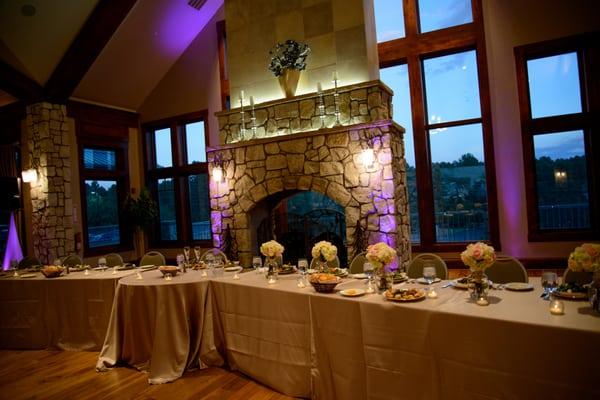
(367, 157)
(217, 174)
(29, 175)
(218, 169)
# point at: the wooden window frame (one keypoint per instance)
(588, 121)
(412, 50)
(179, 171)
(120, 175)
(223, 73)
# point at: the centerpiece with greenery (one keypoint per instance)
(586, 258)
(478, 257)
(380, 255)
(139, 213)
(287, 60)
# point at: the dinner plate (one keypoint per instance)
(233, 269)
(571, 295)
(28, 275)
(359, 276)
(352, 292)
(286, 271)
(423, 281)
(399, 278)
(125, 267)
(420, 296)
(100, 268)
(518, 286)
(145, 267)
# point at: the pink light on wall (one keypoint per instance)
(13, 246)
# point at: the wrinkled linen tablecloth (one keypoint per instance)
(326, 346)
(161, 327)
(70, 312)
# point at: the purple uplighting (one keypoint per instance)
(13, 247)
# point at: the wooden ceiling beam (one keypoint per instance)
(85, 48)
(19, 85)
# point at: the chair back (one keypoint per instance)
(214, 254)
(415, 267)
(152, 258)
(72, 260)
(507, 269)
(358, 262)
(28, 262)
(332, 264)
(113, 260)
(581, 277)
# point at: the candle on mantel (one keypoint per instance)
(241, 95)
(335, 76)
(252, 101)
(319, 88)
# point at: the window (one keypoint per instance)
(559, 119)
(441, 97)
(104, 186)
(177, 172)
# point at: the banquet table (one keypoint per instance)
(70, 312)
(325, 346)
(162, 327)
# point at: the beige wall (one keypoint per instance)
(192, 84)
(335, 30)
(510, 23)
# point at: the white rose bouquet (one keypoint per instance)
(324, 250)
(380, 254)
(585, 258)
(271, 249)
(478, 256)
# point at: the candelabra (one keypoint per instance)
(253, 118)
(336, 98)
(321, 105)
(242, 134)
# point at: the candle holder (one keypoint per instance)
(242, 134)
(253, 119)
(321, 108)
(336, 99)
(557, 307)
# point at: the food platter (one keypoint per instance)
(570, 295)
(404, 295)
(518, 286)
(352, 292)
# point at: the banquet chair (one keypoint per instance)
(214, 254)
(581, 277)
(72, 260)
(153, 258)
(415, 266)
(358, 262)
(332, 264)
(113, 260)
(29, 262)
(507, 269)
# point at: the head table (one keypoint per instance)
(70, 312)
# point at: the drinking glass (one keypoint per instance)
(368, 269)
(256, 263)
(302, 267)
(429, 275)
(549, 283)
(186, 254)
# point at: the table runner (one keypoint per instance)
(70, 312)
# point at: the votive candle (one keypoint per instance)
(557, 307)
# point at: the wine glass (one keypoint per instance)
(429, 275)
(186, 254)
(256, 263)
(303, 266)
(368, 269)
(180, 262)
(549, 283)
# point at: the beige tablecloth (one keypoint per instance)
(301, 343)
(70, 312)
(162, 327)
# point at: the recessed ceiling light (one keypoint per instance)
(28, 10)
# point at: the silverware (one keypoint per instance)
(447, 285)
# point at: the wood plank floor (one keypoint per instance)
(71, 375)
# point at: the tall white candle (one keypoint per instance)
(252, 101)
(241, 94)
(319, 88)
(335, 76)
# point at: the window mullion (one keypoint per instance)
(422, 156)
(411, 18)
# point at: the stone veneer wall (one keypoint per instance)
(328, 162)
(365, 102)
(49, 148)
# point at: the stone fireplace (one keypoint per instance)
(292, 149)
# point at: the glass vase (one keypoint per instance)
(383, 280)
(321, 265)
(594, 292)
(478, 285)
(272, 267)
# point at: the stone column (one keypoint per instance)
(49, 148)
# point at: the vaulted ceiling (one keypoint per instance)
(112, 52)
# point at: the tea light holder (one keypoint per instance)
(557, 307)
(138, 275)
(272, 280)
(432, 294)
(301, 283)
(168, 277)
(204, 274)
(236, 276)
(114, 271)
(86, 272)
(482, 301)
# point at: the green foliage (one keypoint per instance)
(288, 55)
(101, 204)
(140, 213)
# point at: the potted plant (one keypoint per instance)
(287, 60)
(139, 214)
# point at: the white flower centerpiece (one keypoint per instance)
(324, 252)
(380, 255)
(272, 251)
(478, 257)
(586, 258)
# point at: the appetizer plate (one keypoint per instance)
(146, 267)
(407, 295)
(352, 292)
(233, 269)
(28, 275)
(423, 281)
(358, 276)
(518, 286)
(570, 295)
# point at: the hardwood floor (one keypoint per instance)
(71, 375)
